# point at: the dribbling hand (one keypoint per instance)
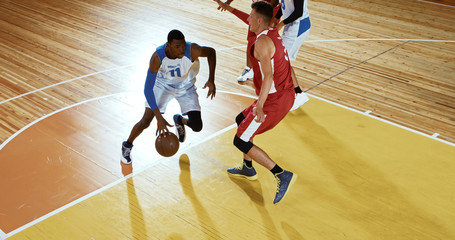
(212, 89)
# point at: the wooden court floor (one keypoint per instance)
(359, 178)
(374, 147)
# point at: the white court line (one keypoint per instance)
(2, 235)
(66, 81)
(48, 115)
(381, 39)
(436, 3)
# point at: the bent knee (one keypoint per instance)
(243, 146)
(194, 121)
(196, 127)
(239, 118)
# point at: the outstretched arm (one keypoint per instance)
(225, 6)
(150, 96)
(210, 54)
(228, 2)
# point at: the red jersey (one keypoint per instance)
(281, 96)
(282, 78)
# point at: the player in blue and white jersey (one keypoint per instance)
(296, 23)
(172, 74)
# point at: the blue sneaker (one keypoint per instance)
(243, 171)
(179, 127)
(284, 181)
(126, 152)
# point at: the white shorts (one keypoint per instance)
(187, 98)
(294, 34)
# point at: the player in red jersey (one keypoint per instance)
(275, 90)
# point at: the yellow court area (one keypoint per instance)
(359, 178)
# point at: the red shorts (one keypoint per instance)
(275, 108)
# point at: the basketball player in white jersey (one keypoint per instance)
(296, 23)
(172, 74)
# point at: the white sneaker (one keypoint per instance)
(247, 74)
(300, 99)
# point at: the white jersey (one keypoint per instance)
(179, 73)
(287, 8)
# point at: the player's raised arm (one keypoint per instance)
(224, 6)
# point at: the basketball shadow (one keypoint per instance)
(188, 190)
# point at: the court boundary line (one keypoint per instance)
(2, 235)
(381, 39)
(148, 166)
(355, 65)
(50, 114)
(66, 81)
(440, 4)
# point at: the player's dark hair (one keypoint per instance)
(175, 34)
(264, 9)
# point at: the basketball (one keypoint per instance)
(167, 146)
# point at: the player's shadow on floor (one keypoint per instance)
(188, 190)
(136, 215)
(254, 190)
(291, 232)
